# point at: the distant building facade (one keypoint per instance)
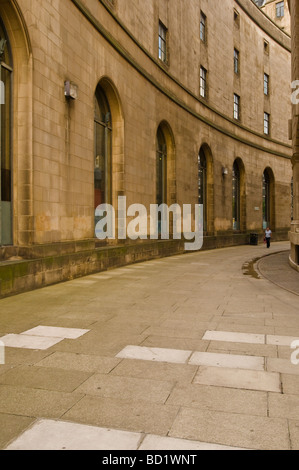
(278, 11)
(149, 100)
(294, 235)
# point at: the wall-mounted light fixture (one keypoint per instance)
(224, 171)
(70, 90)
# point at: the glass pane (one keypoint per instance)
(161, 175)
(236, 198)
(100, 165)
(102, 111)
(5, 137)
(202, 185)
(4, 47)
(266, 200)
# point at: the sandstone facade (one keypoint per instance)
(294, 235)
(111, 49)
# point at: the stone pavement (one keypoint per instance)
(185, 353)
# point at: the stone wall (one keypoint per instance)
(115, 43)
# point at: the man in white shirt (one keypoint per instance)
(268, 235)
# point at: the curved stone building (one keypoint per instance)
(159, 101)
(294, 235)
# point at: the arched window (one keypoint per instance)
(292, 199)
(103, 150)
(5, 140)
(236, 197)
(266, 200)
(202, 184)
(161, 174)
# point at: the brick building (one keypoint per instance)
(149, 100)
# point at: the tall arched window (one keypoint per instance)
(202, 184)
(236, 197)
(161, 174)
(292, 199)
(266, 199)
(103, 150)
(5, 140)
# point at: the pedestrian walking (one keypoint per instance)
(268, 235)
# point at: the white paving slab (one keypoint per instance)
(155, 354)
(152, 442)
(58, 435)
(29, 342)
(233, 337)
(227, 360)
(238, 378)
(281, 340)
(56, 332)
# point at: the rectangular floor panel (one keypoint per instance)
(59, 435)
(227, 360)
(56, 332)
(233, 337)
(238, 378)
(29, 342)
(155, 354)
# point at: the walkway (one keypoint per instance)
(181, 353)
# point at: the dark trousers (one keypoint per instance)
(268, 240)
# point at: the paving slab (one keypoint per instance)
(283, 366)
(250, 432)
(126, 388)
(155, 354)
(21, 401)
(59, 435)
(169, 372)
(136, 416)
(239, 378)
(230, 400)
(56, 332)
(79, 362)
(44, 379)
(29, 342)
(284, 406)
(234, 337)
(227, 360)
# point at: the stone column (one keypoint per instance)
(294, 234)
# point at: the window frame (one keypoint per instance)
(280, 6)
(203, 89)
(266, 123)
(237, 110)
(266, 84)
(236, 61)
(163, 43)
(203, 27)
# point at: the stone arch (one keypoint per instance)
(22, 152)
(206, 151)
(117, 120)
(240, 209)
(269, 199)
(166, 129)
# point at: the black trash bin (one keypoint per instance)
(254, 239)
